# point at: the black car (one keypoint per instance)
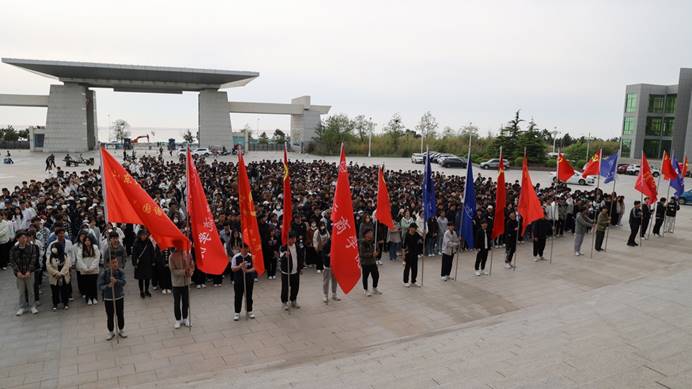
(453, 162)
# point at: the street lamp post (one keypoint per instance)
(555, 133)
(370, 138)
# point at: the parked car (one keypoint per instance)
(622, 168)
(494, 163)
(686, 197)
(201, 152)
(439, 157)
(577, 179)
(634, 170)
(453, 161)
(417, 157)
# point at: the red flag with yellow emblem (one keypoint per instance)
(593, 167)
(248, 218)
(565, 171)
(645, 181)
(287, 217)
(126, 202)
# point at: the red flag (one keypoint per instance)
(593, 167)
(683, 170)
(210, 256)
(383, 212)
(565, 171)
(667, 168)
(344, 251)
(645, 181)
(126, 202)
(248, 219)
(529, 206)
(500, 201)
(288, 202)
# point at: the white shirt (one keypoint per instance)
(294, 258)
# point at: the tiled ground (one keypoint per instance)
(621, 319)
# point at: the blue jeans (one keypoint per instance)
(393, 250)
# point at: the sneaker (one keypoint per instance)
(89, 302)
(508, 266)
(443, 278)
(122, 334)
(155, 287)
(251, 315)
(379, 262)
(163, 291)
(204, 285)
(415, 285)
(94, 301)
(71, 299)
(336, 298)
(407, 285)
(176, 325)
(325, 299)
(486, 272)
(295, 305)
(319, 271)
(542, 258)
(236, 317)
(536, 259)
(199, 286)
(20, 312)
(110, 335)
(54, 309)
(478, 272)
(186, 322)
(376, 291)
(66, 307)
(285, 306)
(577, 253)
(34, 310)
(367, 293)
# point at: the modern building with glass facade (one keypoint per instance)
(658, 118)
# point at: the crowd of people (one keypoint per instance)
(56, 229)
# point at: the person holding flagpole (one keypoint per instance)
(291, 264)
(181, 268)
(429, 204)
(243, 281)
(450, 245)
(467, 228)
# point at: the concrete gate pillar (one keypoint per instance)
(214, 119)
(71, 119)
(303, 125)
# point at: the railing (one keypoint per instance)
(20, 144)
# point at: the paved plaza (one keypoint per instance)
(622, 319)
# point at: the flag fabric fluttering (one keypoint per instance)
(667, 168)
(500, 201)
(529, 206)
(565, 171)
(429, 202)
(249, 228)
(210, 255)
(683, 173)
(383, 212)
(466, 227)
(287, 216)
(645, 181)
(678, 183)
(609, 168)
(127, 202)
(593, 167)
(344, 249)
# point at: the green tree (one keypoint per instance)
(9, 134)
(363, 126)
(533, 141)
(23, 134)
(279, 136)
(508, 138)
(394, 130)
(188, 137)
(335, 130)
(427, 126)
(120, 130)
(263, 138)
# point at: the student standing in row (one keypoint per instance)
(243, 281)
(483, 242)
(511, 231)
(450, 245)
(413, 248)
(368, 253)
(602, 224)
(291, 264)
(23, 257)
(181, 269)
(111, 284)
(88, 259)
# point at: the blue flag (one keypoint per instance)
(678, 182)
(609, 168)
(466, 227)
(429, 202)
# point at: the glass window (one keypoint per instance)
(652, 148)
(668, 126)
(656, 103)
(670, 103)
(631, 102)
(626, 147)
(628, 126)
(665, 145)
(654, 125)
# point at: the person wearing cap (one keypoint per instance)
(290, 264)
(142, 259)
(482, 243)
(450, 245)
(413, 249)
(242, 267)
(58, 267)
(23, 259)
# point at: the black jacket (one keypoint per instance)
(143, 256)
(479, 241)
(511, 229)
(660, 210)
(541, 228)
(413, 244)
(672, 208)
(285, 264)
(635, 217)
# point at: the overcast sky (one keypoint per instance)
(564, 63)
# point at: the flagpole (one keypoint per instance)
(288, 251)
(610, 213)
(189, 229)
(641, 218)
(552, 209)
(598, 185)
(517, 215)
(375, 215)
(105, 214)
(667, 196)
(425, 222)
(658, 185)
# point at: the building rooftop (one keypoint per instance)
(135, 78)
